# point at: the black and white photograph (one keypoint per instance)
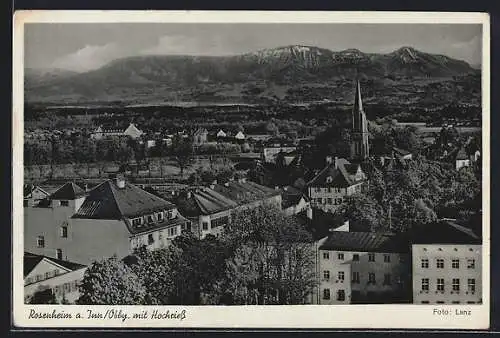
(242, 164)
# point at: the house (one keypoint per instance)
(397, 154)
(446, 264)
(293, 201)
(363, 268)
(33, 195)
(221, 133)
(200, 136)
(130, 131)
(336, 181)
(59, 278)
(115, 217)
(210, 208)
(239, 136)
(461, 159)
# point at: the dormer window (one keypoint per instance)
(136, 222)
(159, 216)
(150, 219)
(64, 203)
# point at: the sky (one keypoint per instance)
(84, 47)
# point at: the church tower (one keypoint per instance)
(359, 144)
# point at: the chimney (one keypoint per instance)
(309, 213)
(120, 181)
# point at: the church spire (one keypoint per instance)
(359, 147)
(358, 103)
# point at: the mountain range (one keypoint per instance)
(139, 78)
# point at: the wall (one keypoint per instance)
(63, 286)
(446, 252)
(362, 292)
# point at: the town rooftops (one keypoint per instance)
(291, 196)
(68, 191)
(31, 260)
(203, 201)
(243, 191)
(340, 174)
(444, 232)
(110, 201)
(365, 242)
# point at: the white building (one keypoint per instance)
(131, 131)
(363, 267)
(447, 265)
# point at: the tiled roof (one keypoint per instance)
(291, 196)
(245, 192)
(444, 232)
(31, 261)
(108, 201)
(342, 175)
(365, 242)
(68, 191)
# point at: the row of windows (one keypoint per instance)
(355, 257)
(356, 277)
(152, 218)
(455, 284)
(455, 263)
(329, 190)
(65, 288)
(40, 277)
(340, 295)
(216, 222)
(152, 238)
(330, 201)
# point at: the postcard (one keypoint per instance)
(232, 169)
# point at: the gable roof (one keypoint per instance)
(68, 191)
(204, 201)
(444, 232)
(342, 175)
(31, 260)
(365, 242)
(107, 201)
(28, 189)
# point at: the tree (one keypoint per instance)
(111, 282)
(182, 149)
(274, 257)
(364, 213)
(45, 296)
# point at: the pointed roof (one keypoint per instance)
(68, 191)
(340, 176)
(358, 102)
(31, 260)
(108, 201)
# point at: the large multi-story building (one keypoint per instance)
(446, 265)
(113, 218)
(337, 180)
(210, 208)
(363, 267)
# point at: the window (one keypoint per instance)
(205, 225)
(47, 275)
(455, 302)
(341, 295)
(338, 201)
(136, 222)
(439, 302)
(425, 284)
(355, 257)
(440, 284)
(471, 264)
(40, 242)
(440, 263)
(172, 231)
(159, 216)
(38, 278)
(471, 285)
(355, 277)
(317, 189)
(218, 222)
(456, 284)
(329, 200)
(455, 263)
(59, 254)
(150, 219)
(64, 203)
(371, 257)
(64, 231)
(371, 278)
(424, 302)
(326, 293)
(326, 255)
(29, 280)
(387, 279)
(341, 276)
(340, 256)
(151, 239)
(387, 258)
(326, 274)
(424, 263)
